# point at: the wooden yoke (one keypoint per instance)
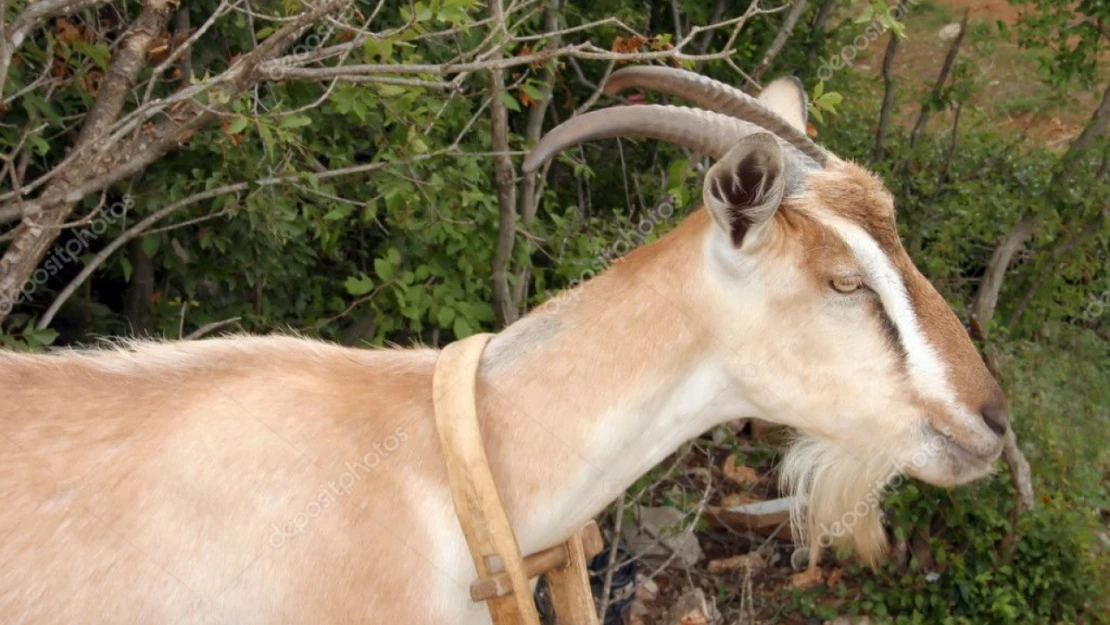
(502, 573)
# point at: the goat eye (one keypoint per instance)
(847, 284)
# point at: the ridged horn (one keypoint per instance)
(705, 132)
(712, 95)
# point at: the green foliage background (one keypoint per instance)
(401, 253)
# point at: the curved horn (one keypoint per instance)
(712, 95)
(705, 132)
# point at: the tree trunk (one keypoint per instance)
(531, 187)
(888, 98)
(817, 31)
(780, 39)
(33, 237)
(506, 189)
(181, 32)
(945, 70)
(95, 166)
(986, 299)
(141, 289)
(1095, 128)
(677, 17)
(707, 37)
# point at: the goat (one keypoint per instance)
(261, 480)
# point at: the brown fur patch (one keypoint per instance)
(825, 256)
(858, 196)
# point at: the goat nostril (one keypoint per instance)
(994, 414)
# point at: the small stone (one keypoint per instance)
(660, 532)
(949, 32)
(807, 579)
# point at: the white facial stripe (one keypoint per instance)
(926, 369)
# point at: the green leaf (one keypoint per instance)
(40, 338)
(99, 53)
(676, 173)
(445, 316)
(462, 328)
(150, 244)
(359, 285)
(371, 49)
(510, 102)
(532, 92)
(391, 90)
(237, 125)
(295, 121)
(383, 268)
(267, 138)
(125, 264)
(39, 144)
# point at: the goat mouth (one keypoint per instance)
(961, 450)
(968, 457)
(945, 462)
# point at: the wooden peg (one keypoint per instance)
(570, 587)
(499, 585)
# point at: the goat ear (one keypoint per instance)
(787, 97)
(743, 189)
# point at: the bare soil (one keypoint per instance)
(1009, 93)
(985, 9)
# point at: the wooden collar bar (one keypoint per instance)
(503, 575)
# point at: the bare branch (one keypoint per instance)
(13, 35)
(888, 94)
(143, 227)
(115, 161)
(781, 38)
(32, 238)
(531, 187)
(942, 78)
(209, 328)
(506, 190)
